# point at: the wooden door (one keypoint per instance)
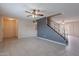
(10, 28)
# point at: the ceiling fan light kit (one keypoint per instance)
(34, 21)
(34, 16)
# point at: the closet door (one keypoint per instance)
(10, 30)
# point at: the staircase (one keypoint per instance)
(63, 35)
(44, 30)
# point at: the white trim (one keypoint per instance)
(52, 41)
(26, 37)
(45, 39)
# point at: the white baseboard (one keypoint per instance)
(45, 39)
(26, 37)
(52, 41)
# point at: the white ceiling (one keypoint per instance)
(70, 11)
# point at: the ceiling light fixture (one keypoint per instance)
(34, 16)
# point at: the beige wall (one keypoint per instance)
(72, 28)
(26, 28)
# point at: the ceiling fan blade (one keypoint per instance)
(29, 15)
(57, 14)
(27, 11)
(40, 15)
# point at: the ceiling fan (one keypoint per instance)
(34, 13)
